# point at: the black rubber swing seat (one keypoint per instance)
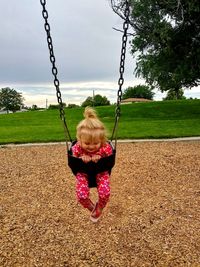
(91, 168)
(76, 164)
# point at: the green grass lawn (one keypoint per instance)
(157, 119)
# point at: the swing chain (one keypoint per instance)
(121, 69)
(54, 70)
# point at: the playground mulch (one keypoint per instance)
(152, 219)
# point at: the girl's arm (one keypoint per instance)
(76, 150)
(78, 153)
(106, 150)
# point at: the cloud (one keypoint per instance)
(71, 92)
(86, 47)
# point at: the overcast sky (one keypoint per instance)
(86, 46)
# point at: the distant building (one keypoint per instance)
(134, 100)
(4, 111)
(22, 110)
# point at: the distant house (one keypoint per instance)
(134, 100)
(22, 110)
(3, 111)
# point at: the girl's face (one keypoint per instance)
(90, 146)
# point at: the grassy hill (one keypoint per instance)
(157, 119)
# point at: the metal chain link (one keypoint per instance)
(121, 70)
(55, 70)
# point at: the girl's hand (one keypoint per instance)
(96, 158)
(86, 158)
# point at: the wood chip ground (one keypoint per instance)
(152, 219)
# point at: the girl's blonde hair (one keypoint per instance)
(91, 127)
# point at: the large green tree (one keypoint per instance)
(172, 95)
(98, 100)
(10, 99)
(166, 41)
(138, 91)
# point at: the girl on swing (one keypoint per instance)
(91, 146)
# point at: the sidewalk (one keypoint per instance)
(197, 138)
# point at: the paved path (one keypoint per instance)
(197, 138)
(161, 140)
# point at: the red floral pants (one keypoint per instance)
(83, 190)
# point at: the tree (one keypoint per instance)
(34, 107)
(98, 100)
(10, 99)
(72, 106)
(56, 106)
(139, 91)
(167, 41)
(87, 102)
(173, 95)
(101, 100)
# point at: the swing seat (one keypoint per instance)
(91, 168)
(76, 164)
